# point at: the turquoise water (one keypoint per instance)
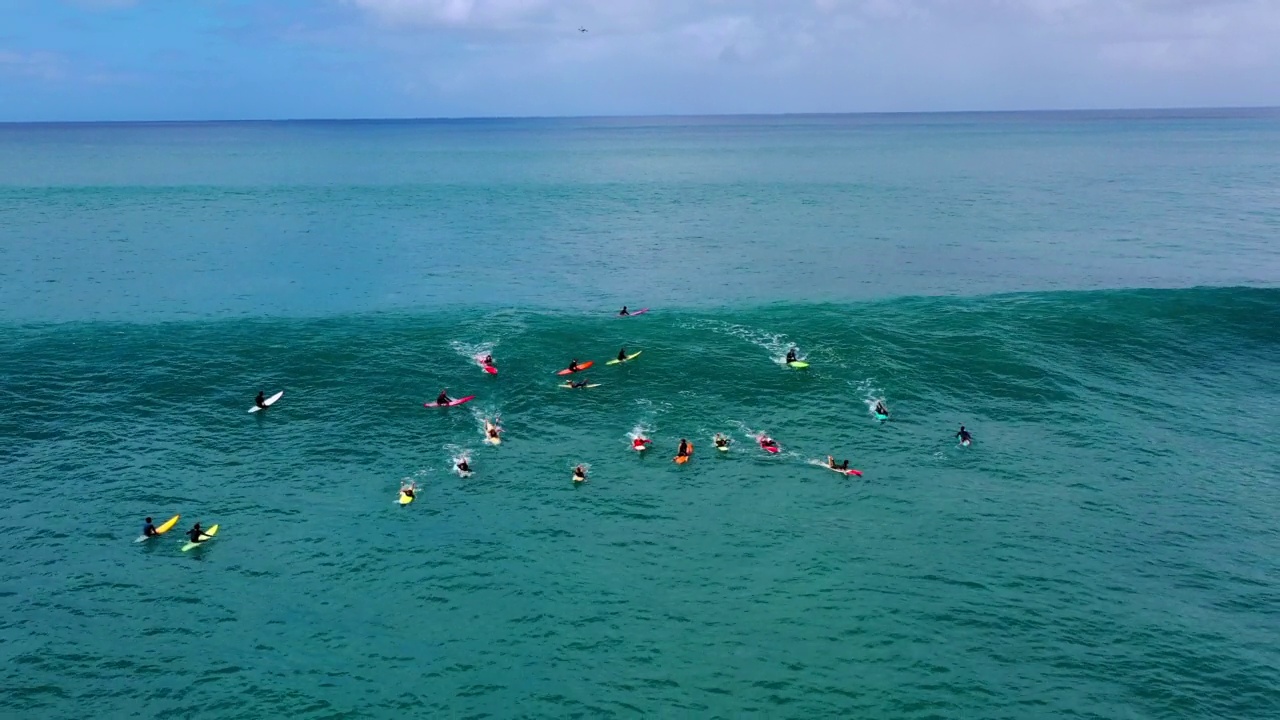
(1094, 296)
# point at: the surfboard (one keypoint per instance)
(161, 529)
(452, 403)
(205, 537)
(881, 418)
(493, 440)
(568, 386)
(268, 402)
(682, 459)
(722, 448)
(406, 499)
(581, 367)
(798, 364)
(964, 443)
(641, 447)
(850, 472)
(630, 357)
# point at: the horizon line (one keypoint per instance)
(655, 116)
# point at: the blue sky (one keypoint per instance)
(230, 59)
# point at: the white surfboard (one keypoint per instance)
(268, 402)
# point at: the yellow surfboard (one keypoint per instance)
(406, 499)
(160, 529)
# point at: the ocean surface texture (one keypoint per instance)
(1095, 296)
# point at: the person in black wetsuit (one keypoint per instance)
(488, 360)
(579, 474)
(463, 466)
(578, 383)
(791, 355)
(831, 463)
(261, 400)
(881, 409)
(964, 435)
(196, 534)
(624, 311)
(149, 530)
(683, 451)
(573, 365)
(443, 398)
(622, 355)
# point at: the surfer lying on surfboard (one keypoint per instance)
(831, 463)
(640, 442)
(881, 409)
(579, 474)
(409, 489)
(721, 440)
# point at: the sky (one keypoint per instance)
(286, 59)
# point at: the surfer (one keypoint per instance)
(491, 430)
(463, 466)
(579, 474)
(149, 530)
(721, 440)
(640, 442)
(261, 400)
(624, 311)
(443, 398)
(578, 383)
(196, 534)
(684, 448)
(767, 442)
(488, 360)
(831, 463)
(791, 355)
(964, 435)
(573, 365)
(409, 490)
(622, 355)
(881, 409)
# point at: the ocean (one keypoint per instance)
(1095, 296)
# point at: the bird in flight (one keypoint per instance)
(582, 29)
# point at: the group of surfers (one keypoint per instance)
(196, 533)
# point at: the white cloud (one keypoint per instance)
(796, 55)
(33, 65)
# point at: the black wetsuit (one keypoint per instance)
(684, 449)
(964, 436)
(260, 401)
(622, 355)
(791, 356)
(149, 530)
(196, 535)
(443, 399)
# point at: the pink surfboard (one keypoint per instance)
(458, 401)
(633, 314)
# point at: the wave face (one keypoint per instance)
(1107, 547)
